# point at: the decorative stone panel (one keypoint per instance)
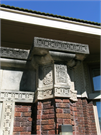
(7, 118)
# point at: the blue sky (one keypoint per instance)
(83, 9)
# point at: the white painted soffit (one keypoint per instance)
(52, 22)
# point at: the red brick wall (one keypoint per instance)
(63, 115)
(85, 118)
(53, 113)
(23, 120)
(45, 117)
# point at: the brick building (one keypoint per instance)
(49, 75)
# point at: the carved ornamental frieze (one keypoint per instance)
(60, 45)
(14, 53)
(16, 96)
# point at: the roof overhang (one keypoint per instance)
(41, 20)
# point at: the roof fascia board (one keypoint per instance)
(48, 17)
(30, 18)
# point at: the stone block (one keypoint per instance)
(11, 80)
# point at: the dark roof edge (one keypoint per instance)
(51, 15)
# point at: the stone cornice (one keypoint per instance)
(14, 53)
(58, 45)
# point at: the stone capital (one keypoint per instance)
(51, 59)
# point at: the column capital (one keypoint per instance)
(51, 58)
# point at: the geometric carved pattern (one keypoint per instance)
(7, 118)
(65, 92)
(60, 45)
(14, 53)
(61, 73)
(9, 98)
(16, 96)
(43, 94)
(48, 78)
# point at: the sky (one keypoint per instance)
(82, 9)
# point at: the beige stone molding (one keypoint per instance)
(17, 96)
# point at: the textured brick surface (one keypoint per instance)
(46, 117)
(22, 122)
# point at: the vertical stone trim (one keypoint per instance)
(7, 118)
(96, 119)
